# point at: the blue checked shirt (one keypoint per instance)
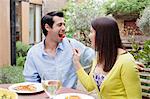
(38, 61)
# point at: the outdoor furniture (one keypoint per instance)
(40, 95)
(145, 81)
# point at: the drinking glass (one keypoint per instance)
(51, 84)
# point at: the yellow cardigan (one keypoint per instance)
(122, 82)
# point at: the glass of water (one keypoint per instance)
(51, 82)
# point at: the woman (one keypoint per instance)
(113, 74)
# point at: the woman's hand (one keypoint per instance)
(76, 58)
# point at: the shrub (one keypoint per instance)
(144, 24)
(21, 52)
(11, 74)
(125, 7)
(143, 54)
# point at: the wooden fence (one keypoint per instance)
(145, 82)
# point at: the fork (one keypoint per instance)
(72, 46)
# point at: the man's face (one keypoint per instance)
(57, 31)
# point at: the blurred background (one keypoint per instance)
(20, 29)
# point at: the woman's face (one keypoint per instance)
(92, 37)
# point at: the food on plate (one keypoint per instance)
(72, 97)
(29, 87)
(7, 94)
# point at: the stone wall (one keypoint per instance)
(51, 5)
(129, 31)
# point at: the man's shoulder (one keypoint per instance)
(36, 47)
(73, 40)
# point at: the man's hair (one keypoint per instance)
(107, 41)
(48, 19)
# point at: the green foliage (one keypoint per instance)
(21, 52)
(144, 22)
(78, 17)
(144, 25)
(11, 74)
(142, 55)
(125, 7)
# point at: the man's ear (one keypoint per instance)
(47, 27)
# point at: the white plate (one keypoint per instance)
(38, 87)
(82, 96)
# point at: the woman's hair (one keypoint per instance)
(107, 41)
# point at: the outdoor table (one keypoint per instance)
(40, 95)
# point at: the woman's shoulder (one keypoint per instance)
(126, 57)
(127, 60)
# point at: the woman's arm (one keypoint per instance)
(84, 78)
(131, 80)
(87, 53)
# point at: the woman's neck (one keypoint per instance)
(121, 51)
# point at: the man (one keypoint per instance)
(55, 53)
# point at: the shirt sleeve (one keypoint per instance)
(87, 53)
(30, 72)
(131, 80)
(85, 79)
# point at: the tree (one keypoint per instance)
(78, 17)
(125, 7)
(144, 22)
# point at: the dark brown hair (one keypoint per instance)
(48, 19)
(107, 41)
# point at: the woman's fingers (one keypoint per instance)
(76, 55)
(76, 51)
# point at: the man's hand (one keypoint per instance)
(140, 66)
